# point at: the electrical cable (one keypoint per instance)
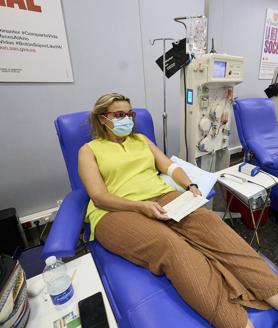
(243, 180)
(185, 114)
(269, 176)
(256, 227)
(262, 209)
(212, 159)
(43, 230)
(180, 20)
(259, 221)
(233, 175)
(257, 184)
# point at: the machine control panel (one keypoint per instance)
(224, 69)
(210, 80)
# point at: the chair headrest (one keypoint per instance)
(250, 113)
(74, 131)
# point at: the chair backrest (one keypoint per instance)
(254, 117)
(74, 131)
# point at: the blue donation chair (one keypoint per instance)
(139, 299)
(258, 133)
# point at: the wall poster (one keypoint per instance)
(269, 57)
(33, 42)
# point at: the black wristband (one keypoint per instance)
(191, 185)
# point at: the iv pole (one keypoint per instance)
(164, 115)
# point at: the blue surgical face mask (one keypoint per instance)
(122, 126)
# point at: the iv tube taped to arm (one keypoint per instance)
(171, 169)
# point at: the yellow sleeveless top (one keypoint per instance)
(128, 170)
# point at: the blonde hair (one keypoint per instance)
(101, 107)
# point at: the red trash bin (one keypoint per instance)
(239, 207)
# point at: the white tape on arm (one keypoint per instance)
(171, 169)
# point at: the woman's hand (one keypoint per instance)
(195, 191)
(152, 210)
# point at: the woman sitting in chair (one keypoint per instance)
(213, 268)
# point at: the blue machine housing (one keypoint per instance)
(243, 167)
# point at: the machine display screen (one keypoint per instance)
(189, 96)
(219, 69)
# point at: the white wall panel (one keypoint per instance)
(238, 27)
(105, 48)
(157, 21)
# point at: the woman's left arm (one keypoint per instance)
(162, 163)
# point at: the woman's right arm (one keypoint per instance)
(97, 191)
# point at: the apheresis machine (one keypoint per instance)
(207, 85)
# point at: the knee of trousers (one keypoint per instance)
(208, 216)
(164, 253)
(230, 316)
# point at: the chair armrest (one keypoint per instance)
(211, 194)
(260, 153)
(65, 231)
(205, 180)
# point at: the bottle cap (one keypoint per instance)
(50, 260)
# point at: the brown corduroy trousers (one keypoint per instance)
(213, 268)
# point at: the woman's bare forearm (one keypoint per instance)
(163, 163)
(181, 178)
(110, 202)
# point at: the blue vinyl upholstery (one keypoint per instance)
(258, 132)
(139, 299)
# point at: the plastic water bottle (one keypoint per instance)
(57, 281)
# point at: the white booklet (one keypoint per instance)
(183, 205)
